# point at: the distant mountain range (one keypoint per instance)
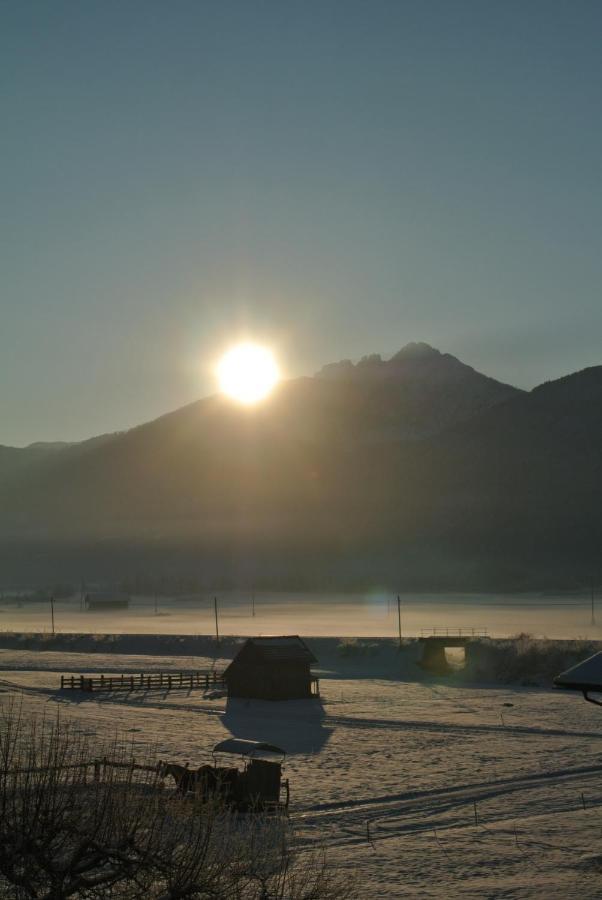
(415, 471)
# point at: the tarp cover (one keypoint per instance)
(246, 748)
(585, 676)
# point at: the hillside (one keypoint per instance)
(215, 459)
(417, 468)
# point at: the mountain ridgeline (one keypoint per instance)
(414, 472)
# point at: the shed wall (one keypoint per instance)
(279, 681)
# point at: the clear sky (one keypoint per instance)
(334, 178)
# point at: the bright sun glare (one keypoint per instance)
(247, 373)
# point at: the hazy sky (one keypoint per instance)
(335, 178)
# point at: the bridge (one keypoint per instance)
(436, 641)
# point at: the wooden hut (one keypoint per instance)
(272, 668)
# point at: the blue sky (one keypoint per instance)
(333, 178)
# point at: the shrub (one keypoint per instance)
(357, 648)
(73, 826)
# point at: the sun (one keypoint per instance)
(248, 373)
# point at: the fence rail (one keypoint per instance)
(98, 765)
(453, 632)
(143, 682)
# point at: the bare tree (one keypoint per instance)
(88, 822)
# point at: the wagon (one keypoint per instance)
(255, 786)
(259, 784)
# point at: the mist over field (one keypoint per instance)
(366, 615)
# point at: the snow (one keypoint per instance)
(388, 769)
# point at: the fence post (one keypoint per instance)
(81, 682)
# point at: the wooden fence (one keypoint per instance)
(99, 767)
(143, 682)
(454, 632)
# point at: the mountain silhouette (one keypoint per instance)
(415, 471)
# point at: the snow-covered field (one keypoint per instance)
(420, 787)
(368, 615)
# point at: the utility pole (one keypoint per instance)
(82, 592)
(592, 599)
(52, 611)
(399, 618)
(253, 604)
(155, 602)
(216, 625)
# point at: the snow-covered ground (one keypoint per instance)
(420, 787)
(372, 614)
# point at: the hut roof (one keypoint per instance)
(586, 675)
(283, 648)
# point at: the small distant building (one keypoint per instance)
(103, 601)
(272, 668)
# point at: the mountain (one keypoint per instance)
(417, 393)
(14, 460)
(415, 471)
(533, 471)
(18, 462)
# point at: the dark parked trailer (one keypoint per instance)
(100, 601)
(272, 668)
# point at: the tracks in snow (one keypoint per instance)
(458, 793)
(371, 819)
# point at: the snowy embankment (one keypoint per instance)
(519, 660)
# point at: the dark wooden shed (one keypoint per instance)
(272, 668)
